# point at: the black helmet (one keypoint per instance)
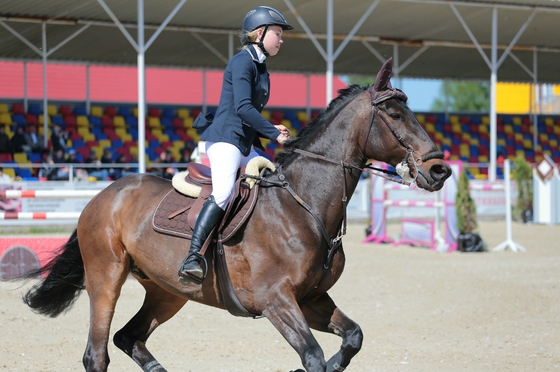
(264, 16)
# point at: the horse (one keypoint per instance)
(281, 263)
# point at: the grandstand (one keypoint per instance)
(464, 136)
(116, 127)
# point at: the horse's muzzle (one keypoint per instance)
(432, 174)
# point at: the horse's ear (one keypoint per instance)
(384, 76)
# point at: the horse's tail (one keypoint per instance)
(58, 291)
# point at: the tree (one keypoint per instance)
(463, 96)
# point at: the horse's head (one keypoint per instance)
(397, 138)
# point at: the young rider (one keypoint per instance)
(238, 123)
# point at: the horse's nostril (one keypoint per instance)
(440, 171)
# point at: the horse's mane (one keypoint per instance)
(308, 132)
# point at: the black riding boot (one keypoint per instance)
(209, 217)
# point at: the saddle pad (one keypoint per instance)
(171, 216)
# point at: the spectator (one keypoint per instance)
(34, 140)
(4, 178)
(78, 172)
(98, 173)
(19, 141)
(63, 173)
(58, 138)
(186, 154)
(5, 143)
(163, 171)
(51, 171)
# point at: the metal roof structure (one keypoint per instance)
(427, 38)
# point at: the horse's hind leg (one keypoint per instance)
(158, 307)
(322, 314)
(104, 277)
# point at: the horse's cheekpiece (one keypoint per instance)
(284, 257)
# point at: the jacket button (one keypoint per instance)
(265, 93)
(262, 105)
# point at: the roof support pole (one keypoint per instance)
(25, 103)
(534, 105)
(45, 102)
(88, 99)
(330, 59)
(141, 91)
(493, 86)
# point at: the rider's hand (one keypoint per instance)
(282, 138)
(285, 134)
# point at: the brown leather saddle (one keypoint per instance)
(176, 215)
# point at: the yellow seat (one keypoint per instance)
(20, 157)
(118, 121)
(302, 116)
(553, 143)
(42, 119)
(82, 121)
(483, 158)
(453, 119)
(187, 122)
(518, 136)
(549, 122)
(556, 129)
(483, 129)
(473, 141)
(10, 172)
(456, 128)
(52, 110)
(135, 111)
(96, 111)
(516, 120)
(486, 120)
(528, 144)
(501, 141)
(5, 118)
(266, 114)
(104, 143)
(430, 127)
(4, 108)
(439, 136)
(154, 122)
(421, 118)
(183, 113)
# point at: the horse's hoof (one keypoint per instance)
(298, 370)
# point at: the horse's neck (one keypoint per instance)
(323, 184)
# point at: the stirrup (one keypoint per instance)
(186, 278)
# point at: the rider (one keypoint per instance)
(238, 123)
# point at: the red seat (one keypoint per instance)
(92, 143)
(107, 121)
(110, 111)
(177, 122)
(17, 108)
(65, 110)
(31, 119)
(154, 112)
(70, 120)
(5, 157)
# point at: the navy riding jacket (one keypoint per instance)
(245, 92)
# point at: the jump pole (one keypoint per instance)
(509, 241)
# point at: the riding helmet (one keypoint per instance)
(264, 16)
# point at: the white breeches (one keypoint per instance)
(225, 160)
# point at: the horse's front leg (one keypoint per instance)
(284, 313)
(323, 315)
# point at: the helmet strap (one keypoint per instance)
(260, 43)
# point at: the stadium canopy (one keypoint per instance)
(514, 39)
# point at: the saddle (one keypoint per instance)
(178, 210)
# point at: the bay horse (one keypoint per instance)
(281, 263)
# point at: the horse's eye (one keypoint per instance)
(395, 116)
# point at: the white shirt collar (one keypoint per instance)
(260, 55)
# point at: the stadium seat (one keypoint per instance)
(34, 109)
(107, 121)
(17, 108)
(183, 113)
(168, 113)
(118, 121)
(80, 111)
(19, 119)
(96, 111)
(154, 112)
(58, 120)
(65, 110)
(110, 111)
(52, 110)
(31, 119)
(4, 108)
